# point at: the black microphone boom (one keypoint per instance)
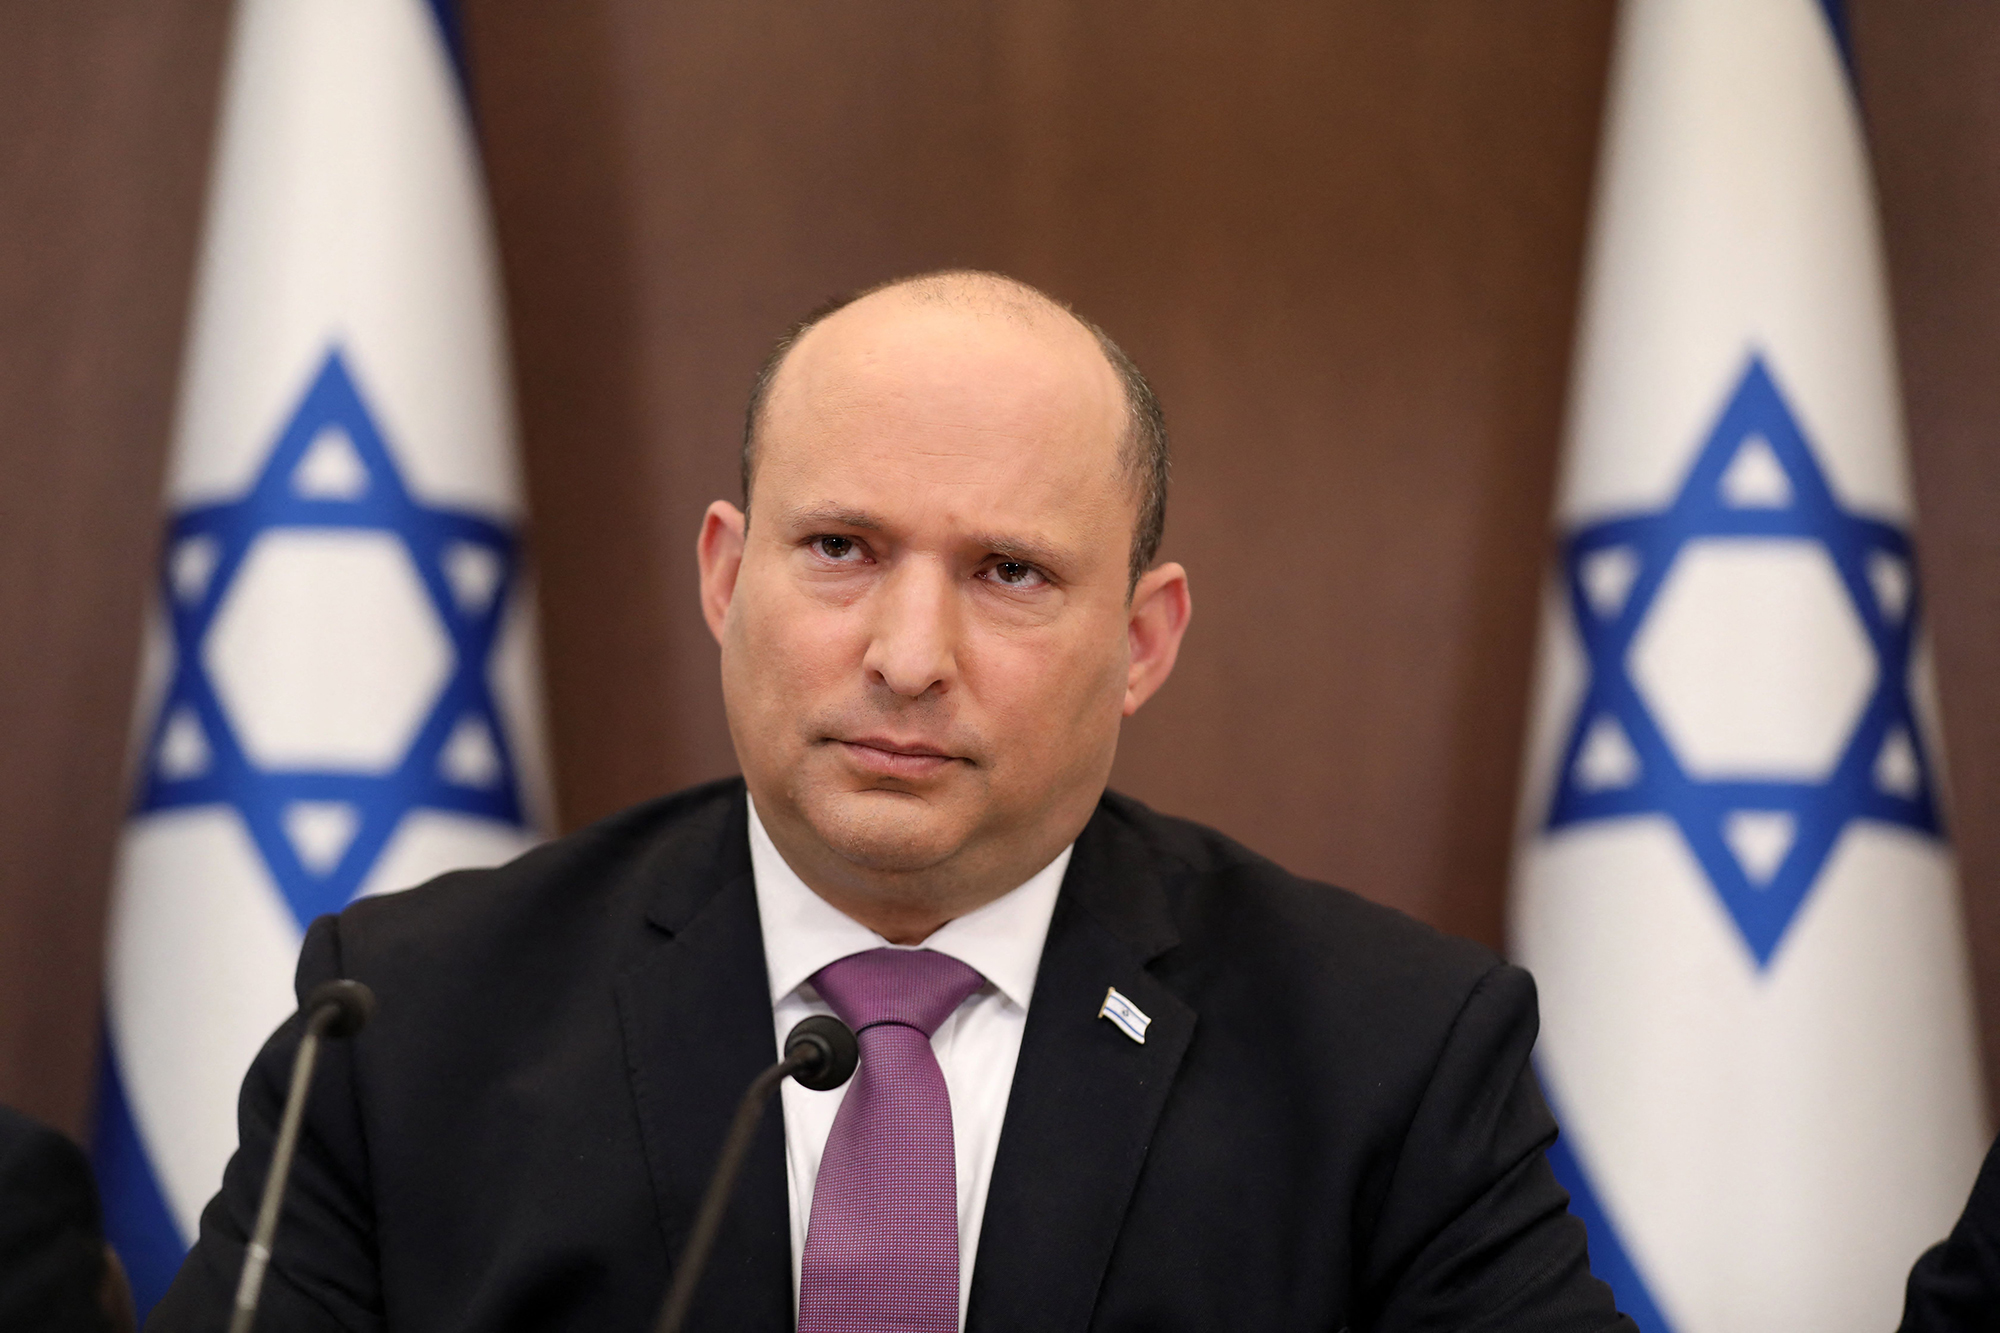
(821, 1053)
(334, 1010)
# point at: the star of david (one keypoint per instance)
(1755, 477)
(466, 564)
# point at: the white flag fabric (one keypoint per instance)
(1732, 881)
(340, 691)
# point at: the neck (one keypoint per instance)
(905, 906)
(898, 923)
(902, 906)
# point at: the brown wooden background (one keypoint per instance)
(1342, 235)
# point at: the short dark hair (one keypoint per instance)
(1143, 451)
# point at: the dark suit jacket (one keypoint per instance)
(1331, 1121)
(52, 1256)
(1955, 1286)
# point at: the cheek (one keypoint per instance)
(1061, 694)
(784, 646)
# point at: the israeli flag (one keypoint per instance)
(1733, 881)
(339, 694)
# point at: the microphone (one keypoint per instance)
(334, 1010)
(821, 1053)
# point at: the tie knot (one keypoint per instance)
(914, 987)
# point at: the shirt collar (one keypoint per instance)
(803, 932)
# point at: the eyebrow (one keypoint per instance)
(831, 516)
(1002, 544)
(1022, 548)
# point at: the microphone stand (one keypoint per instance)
(335, 1009)
(821, 1052)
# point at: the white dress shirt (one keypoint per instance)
(976, 1047)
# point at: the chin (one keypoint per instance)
(891, 832)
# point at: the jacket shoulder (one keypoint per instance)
(1232, 905)
(596, 880)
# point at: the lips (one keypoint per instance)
(892, 758)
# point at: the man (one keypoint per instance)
(56, 1273)
(1135, 1077)
(1954, 1286)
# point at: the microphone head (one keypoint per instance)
(833, 1050)
(339, 1008)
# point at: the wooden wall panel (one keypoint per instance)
(105, 118)
(1930, 84)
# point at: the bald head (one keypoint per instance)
(932, 633)
(956, 302)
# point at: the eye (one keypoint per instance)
(840, 550)
(1018, 574)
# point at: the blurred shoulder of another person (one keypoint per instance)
(56, 1274)
(1956, 1285)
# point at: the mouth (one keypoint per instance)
(887, 757)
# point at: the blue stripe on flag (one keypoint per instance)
(1836, 19)
(453, 33)
(136, 1219)
(1608, 1258)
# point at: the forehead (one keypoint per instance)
(939, 403)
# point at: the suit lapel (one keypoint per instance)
(1085, 1097)
(695, 1010)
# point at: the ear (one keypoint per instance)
(719, 551)
(1159, 617)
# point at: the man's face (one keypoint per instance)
(927, 646)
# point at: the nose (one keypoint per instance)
(914, 639)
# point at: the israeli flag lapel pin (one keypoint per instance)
(1126, 1016)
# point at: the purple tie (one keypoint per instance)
(882, 1247)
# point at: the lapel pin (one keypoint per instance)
(1126, 1016)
